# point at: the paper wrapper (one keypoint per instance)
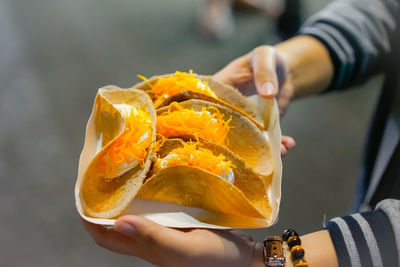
(178, 216)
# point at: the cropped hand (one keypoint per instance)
(138, 236)
(262, 71)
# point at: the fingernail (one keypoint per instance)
(125, 228)
(267, 89)
(292, 144)
(283, 151)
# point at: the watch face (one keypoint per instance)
(279, 262)
(274, 253)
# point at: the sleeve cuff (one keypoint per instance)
(365, 239)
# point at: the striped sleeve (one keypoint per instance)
(368, 239)
(359, 35)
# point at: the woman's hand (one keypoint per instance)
(262, 71)
(298, 67)
(138, 236)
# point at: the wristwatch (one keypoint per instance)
(274, 252)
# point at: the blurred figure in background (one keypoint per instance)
(216, 18)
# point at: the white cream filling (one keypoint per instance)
(123, 168)
(165, 160)
(99, 144)
(143, 137)
(127, 166)
(212, 120)
(230, 178)
(126, 110)
(201, 85)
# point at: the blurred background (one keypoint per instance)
(54, 55)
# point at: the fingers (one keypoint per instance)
(242, 235)
(283, 151)
(285, 96)
(235, 73)
(263, 62)
(138, 236)
(287, 144)
(110, 239)
(223, 76)
(259, 67)
(153, 242)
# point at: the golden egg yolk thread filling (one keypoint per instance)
(191, 155)
(180, 82)
(203, 124)
(130, 148)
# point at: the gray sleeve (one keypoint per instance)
(391, 207)
(359, 35)
(369, 238)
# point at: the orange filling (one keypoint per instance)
(203, 124)
(180, 82)
(130, 148)
(191, 155)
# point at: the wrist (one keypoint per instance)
(258, 255)
(307, 64)
(318, 245)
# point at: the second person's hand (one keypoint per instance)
(261, 71)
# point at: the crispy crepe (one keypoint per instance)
(209, 154)
(206, 175)
(125, 122)
(182, 86)
(220, 125)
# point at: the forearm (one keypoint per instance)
(359, 35)
(318, 247)
(307, 64)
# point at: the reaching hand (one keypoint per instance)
(138, 236)
(287, 143)
(262, 71)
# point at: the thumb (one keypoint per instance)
(155, 243)
(263, 63)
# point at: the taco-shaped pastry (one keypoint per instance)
(120, 144)
(206, 175)
(220, 125)
(182, 86)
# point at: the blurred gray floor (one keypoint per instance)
(53, 57)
